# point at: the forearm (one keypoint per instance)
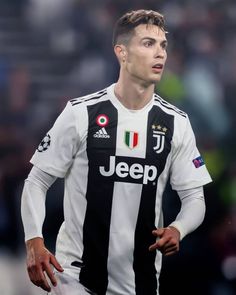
(192, 211)
(33, 202)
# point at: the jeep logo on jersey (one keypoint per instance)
(123, 171)
(131, 139)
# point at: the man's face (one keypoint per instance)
(146, 54)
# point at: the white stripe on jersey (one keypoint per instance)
(125, 207)
(88, 97)
(121, 244)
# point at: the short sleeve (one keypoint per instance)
(56, 151)
(188, 169)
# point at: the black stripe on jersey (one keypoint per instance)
(97, 95)
(96, 229)
(144, 260)
(169, 106)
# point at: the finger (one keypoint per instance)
(29, 270)
(38, 278)
(158, 232)
(169, 244)
(155, 246)
(42, 282)
(56, 264)
(33, 272)
(171, 248)
(170, 252)
(50, 274)
(161, 244)
(152, 247)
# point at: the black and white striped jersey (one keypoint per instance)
(116, 163)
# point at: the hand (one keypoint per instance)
(168, 240)
(39, 261)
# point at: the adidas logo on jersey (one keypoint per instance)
(101, 133)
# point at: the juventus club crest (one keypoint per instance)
(131, 139)
(159, 133)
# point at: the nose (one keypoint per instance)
(160, 52)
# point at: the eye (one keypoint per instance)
(164, 45)
(148, 43)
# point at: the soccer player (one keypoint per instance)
(116, 150)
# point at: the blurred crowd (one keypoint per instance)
(52, 51)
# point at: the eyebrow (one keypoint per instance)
(154, 40)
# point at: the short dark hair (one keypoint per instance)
(124, 27)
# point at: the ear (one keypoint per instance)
(120, 52)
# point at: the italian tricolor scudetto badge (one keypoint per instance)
(131, 139)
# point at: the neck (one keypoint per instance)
(134, 95)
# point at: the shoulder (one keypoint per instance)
(169, 108)
(89, 99)
(181, 119)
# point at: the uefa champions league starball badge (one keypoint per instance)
(44, 144)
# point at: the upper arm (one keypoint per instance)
(61, 147)
(184, 172)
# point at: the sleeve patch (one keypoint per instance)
(198, 162)
(44, 144)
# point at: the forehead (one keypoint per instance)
(151, 31)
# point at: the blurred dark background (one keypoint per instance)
(54, 50)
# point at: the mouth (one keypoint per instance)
(158, 66)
